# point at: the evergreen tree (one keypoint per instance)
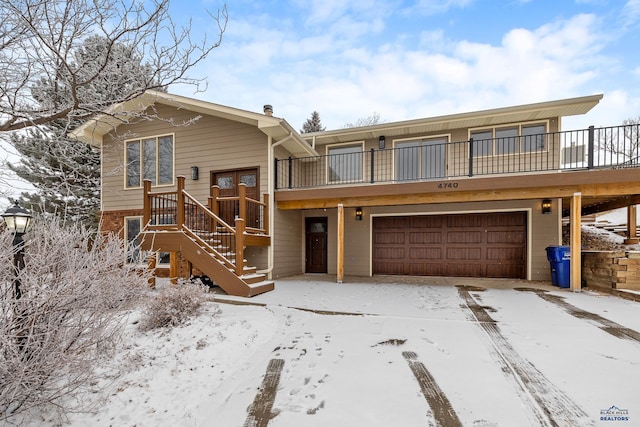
(312, 124)
(65, 173)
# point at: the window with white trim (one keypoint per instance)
(344, 163)
(149, 158)
(132, 229)
(508, 140)
(420, 159)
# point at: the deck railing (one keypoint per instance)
(607, 147)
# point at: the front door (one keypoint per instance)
(316, 245)
(228, 182)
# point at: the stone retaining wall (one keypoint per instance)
(611, 269)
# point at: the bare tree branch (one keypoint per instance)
(39, 41)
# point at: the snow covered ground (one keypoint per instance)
(316, 353)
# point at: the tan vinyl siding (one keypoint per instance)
(288, 243)
(210, 143)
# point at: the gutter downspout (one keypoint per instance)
(270, 188)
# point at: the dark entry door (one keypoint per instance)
(316, 245)
(228, 182)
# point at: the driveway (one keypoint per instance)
(437, 351)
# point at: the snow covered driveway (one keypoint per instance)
(315, 353)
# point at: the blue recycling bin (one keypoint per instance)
(560, 261)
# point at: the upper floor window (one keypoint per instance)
(149, 158)
(345, 163)
(508, 140)
(420, 159)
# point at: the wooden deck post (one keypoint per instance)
(180, 213)
(146, 203)
(242, 201)
(215, 195)
(632, 224)
(173, 267)
(340, 269)
(151, 264)
(576, 242)
(239, 247)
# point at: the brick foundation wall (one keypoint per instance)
(611, 269)
(113, 222)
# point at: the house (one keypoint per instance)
(243, 198)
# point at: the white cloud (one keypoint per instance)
(334, 71)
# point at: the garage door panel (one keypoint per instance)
(464, 254)
(465, 270)
(389, 238)
(470, 245)
(505, 254)
(390, 268)
(427, 269)
(425, 238)
(389, 253)
(506, 237)
(426, 221)
(465, 237)
(506, 219)
(425, 253)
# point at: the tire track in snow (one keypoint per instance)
(260, 410)
(549, 404)
(442, 410)
(609, 326)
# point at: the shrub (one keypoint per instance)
(172, 306)
(74, 289)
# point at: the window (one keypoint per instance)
(422, 159)
(533, 138)
(345, 163)
(149, 158)
(511, 140)
(482, 143)
(506, 141)
(132, 228)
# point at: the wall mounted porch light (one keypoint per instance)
(546, 206)
(358, 214)
(381, 142)
(195, 173)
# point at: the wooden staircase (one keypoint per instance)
(176, 222)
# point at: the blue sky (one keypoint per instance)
(421, 58)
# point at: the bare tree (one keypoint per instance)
(621, 144)
(69, 316)
(39, 44)
(373, 119)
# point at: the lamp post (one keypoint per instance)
(17, 220)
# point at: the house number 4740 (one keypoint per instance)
(448, 185)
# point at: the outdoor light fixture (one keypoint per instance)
(17, 220)
(546, 206)
(381, 141)
(195, 173)
(358, 214)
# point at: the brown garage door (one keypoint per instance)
(463, 245)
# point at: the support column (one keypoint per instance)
(173, 267)
(576, 242)
(632, 224)
(340, 269)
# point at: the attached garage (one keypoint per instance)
(462, 245)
